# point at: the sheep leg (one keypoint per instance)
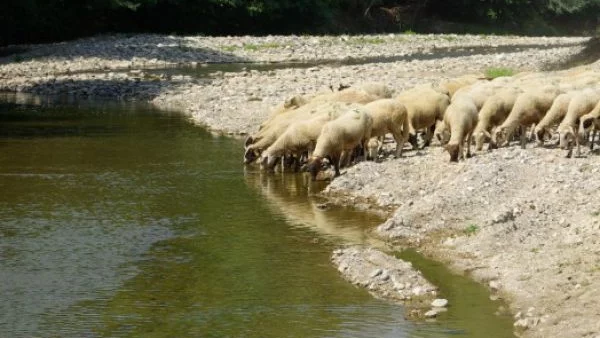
(343, 158)
(523, 137)
(532, 133)
(399, 144)
(336, 159)
(428, 136)
(593, 138)
(469, 136)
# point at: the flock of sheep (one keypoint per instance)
(351, 123)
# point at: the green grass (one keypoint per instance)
(494, 72)
(409, 32)
(471, 229)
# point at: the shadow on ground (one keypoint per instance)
(590, 54)
(168, 49)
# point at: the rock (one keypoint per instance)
(376, 273)
(430, 314)
(439, 302)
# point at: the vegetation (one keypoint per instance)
(492, 73)
(23, 21)
(471, 229)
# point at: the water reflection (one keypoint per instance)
(292, 196)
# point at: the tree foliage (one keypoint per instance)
(23, 21)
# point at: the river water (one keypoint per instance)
(118, 220)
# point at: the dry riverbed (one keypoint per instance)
(524, 222)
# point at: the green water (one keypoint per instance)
(117, 220)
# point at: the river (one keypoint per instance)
(118, 220)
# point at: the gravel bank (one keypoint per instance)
(388, 278)
(524, 222)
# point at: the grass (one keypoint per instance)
(471, 229)
(409, 32)
(18, 58)
(255, 47)
(494, 72)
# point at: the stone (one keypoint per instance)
(431, 314)
(439, 302)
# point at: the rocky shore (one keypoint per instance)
(524, 222)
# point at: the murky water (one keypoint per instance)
(117, 220)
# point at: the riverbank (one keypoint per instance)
(521, 221)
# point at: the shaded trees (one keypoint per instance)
(23, 21)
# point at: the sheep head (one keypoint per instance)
(500, 137)
(314, 166)
(480, 138)
(250, 155)
(567, 138)
(453, 150)
(372, 149)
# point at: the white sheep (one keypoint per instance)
(301, 136)
(478, 92)
(589, 122)
(279, 123)
(553, 116)
(375, 88)
(493, 112)
(343, 134)
(582, 103)
(424, 106)
(298, 107)
(460, 120)
(529, 108)
(389, 116)
(452, 85)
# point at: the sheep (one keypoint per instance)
(301, 136)
(556, 113)
(493, 112)
(351, 95)
(452, 85)
(530, 107)
(424, 106)
(374, 88)
(460, 119)
(582, 103)
(389, 116)
(479, 93)
(278, 124)
(351, 129)
(590, 122)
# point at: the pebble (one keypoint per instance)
(431, 314)
(439, 302)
